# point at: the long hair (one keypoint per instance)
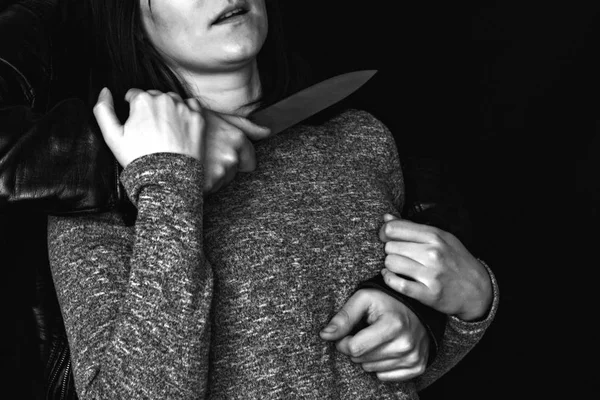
(124, 57)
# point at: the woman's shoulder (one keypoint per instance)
(341, 115)
(354, 124)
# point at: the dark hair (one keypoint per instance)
(125, 58)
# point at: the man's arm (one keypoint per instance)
(51, 158)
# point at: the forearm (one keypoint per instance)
(137, 311)
(459, 338)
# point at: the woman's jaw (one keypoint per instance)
(227, 91)
(212, 45)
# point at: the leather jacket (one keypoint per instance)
(54, 161)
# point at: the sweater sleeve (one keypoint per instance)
(459, 338)
(136, 300)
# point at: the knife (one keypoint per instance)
(307, 102)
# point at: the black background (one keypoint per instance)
(511, 108)
(505, 94)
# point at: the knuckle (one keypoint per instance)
(342, 316)
(164, 97)
(406, 344)
(435, 254)
(355, 349)
(400, 285)
(435, 236)
(361, 296)
(142, 98)
(218, 171)
(182, 108)
(395, 327)
(230, 159)
(420, 369)
(413, 358)
(436, 290)
(237, 136)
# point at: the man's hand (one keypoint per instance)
(433, 267)
(395, 345)
(157, 123)
(224, 145)
(228, 148)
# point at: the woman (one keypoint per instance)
(159, 323)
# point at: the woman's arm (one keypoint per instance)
(136, 299)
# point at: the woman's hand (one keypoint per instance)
(433, 267)
(158, 123)
(395, 345)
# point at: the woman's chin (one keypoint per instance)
(239, 54)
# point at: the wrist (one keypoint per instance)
(478, 307)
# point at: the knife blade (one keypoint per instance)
(307, 102)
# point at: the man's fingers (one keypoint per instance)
(402, 374)
(109, 124)
(253, 132)
(131, 94)
(350, 314)
(383, 330)
(247, 157)
(412, 289)
(401, 229)
(405, 265)
(388, 365)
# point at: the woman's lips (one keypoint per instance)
(230, 12)
(232, 18)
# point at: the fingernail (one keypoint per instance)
(329, 328)
(103, 91)
(384, 271)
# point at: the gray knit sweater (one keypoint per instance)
(224, 298)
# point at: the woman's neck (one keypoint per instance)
(226, 92)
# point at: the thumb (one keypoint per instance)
(344, 321)
(109, 124)
(251, 130)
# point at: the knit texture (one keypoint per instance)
(224, 298)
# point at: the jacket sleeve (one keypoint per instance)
(52, 158)
(136, 299)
